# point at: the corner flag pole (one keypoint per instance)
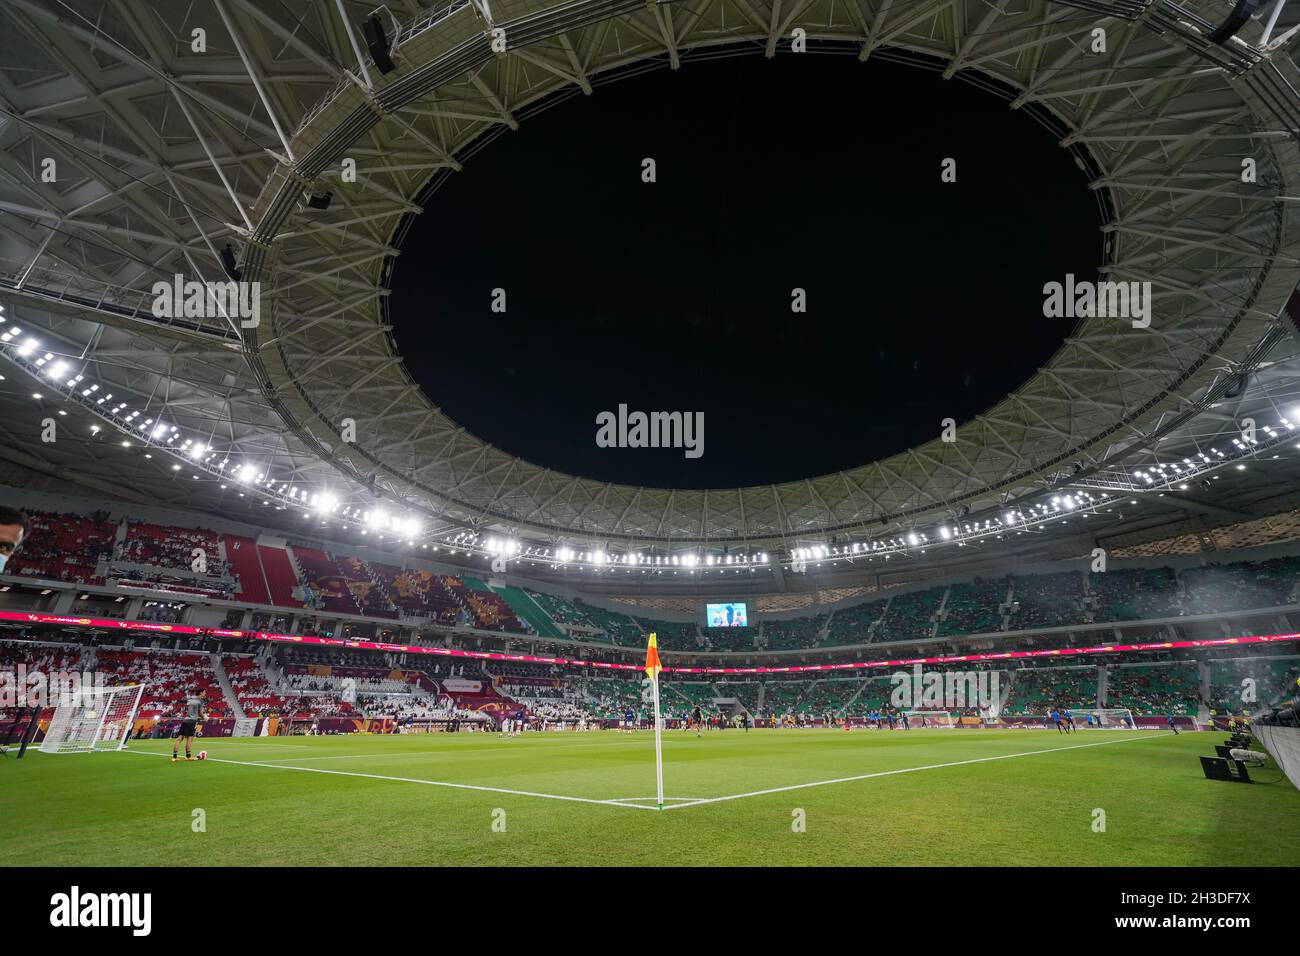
(652, 669)
(659, 750)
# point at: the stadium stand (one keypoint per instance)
(527, 609)
(1241, 585)
(165, 546)
(326, 589)
(241, 553)
(281, 579)
(974, 608)
(792, 633)
(674, 635)
(416, 592)
(1034, 691)
(613, 628)
(1047, 600)
(854, 625)
(490, 611)
(1133, 593)
(1154, 689)
(65, 547)
(910, 616)
(1251, 683)
(169, 679)
(249, 683)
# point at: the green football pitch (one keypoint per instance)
(796, 797)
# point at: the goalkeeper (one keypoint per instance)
(189, 724)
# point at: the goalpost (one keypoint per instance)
(930, 718)
(1106, 718)
(97, 719)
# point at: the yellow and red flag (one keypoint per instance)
(652, 664)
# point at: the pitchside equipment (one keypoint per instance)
(930, 718)
(97, 719)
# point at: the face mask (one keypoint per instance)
(4, 559)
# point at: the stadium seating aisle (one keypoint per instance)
(280, 576)
(242, 555)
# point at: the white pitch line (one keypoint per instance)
(634, 800)
(394, 754)
(890, 773)
(427, 783)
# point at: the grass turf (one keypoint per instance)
(137, 808)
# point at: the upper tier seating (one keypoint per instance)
(65, 547)
(974, 607)
(280, 576)
(242, 554)
(618, 628)
(420, 593)
(326, 585)
(1241, 585)
(1130, 594)
(793, 633)
(675, 635)
(165, 546)
(1048, 600)
(910, 616)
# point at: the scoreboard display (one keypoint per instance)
(734, 614)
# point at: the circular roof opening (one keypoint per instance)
(816, 173)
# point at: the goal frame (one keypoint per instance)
(1081, 717)
(104, 697)
(913, 715)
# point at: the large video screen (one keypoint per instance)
(726, 615)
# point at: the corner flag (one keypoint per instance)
(652, 664)
(652, 669)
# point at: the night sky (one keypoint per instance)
(813, 171)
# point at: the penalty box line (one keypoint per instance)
(890, 773)
(427, 783)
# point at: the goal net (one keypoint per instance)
(1114, 718)
(96, 719)
(930, 718)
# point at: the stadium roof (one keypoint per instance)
(164, 155)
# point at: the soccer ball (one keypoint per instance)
(203, 755)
